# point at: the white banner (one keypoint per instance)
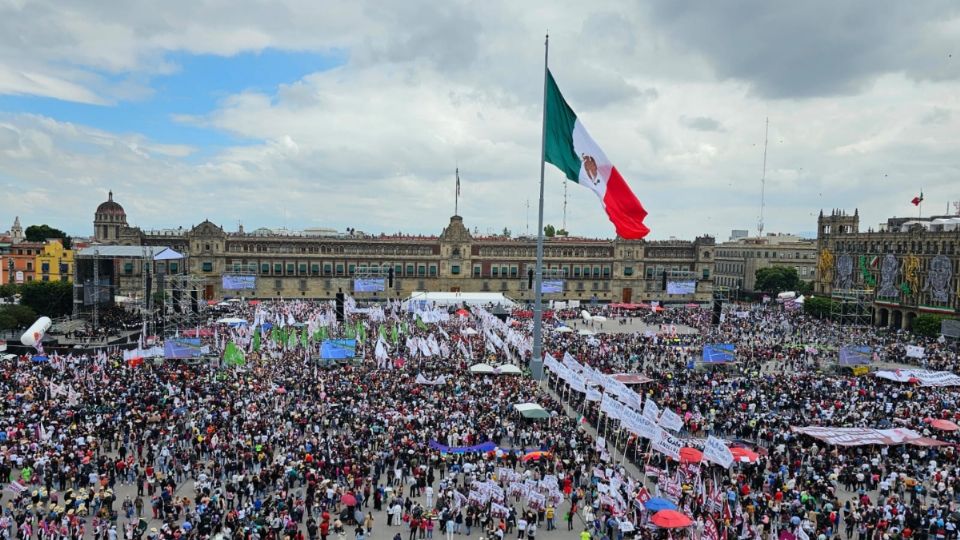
(668, 445)
(671, 420)
(650, 410)
(915, 351)
(593, 394)
(922, 376)
(716, 451)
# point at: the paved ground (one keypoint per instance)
(613, 326)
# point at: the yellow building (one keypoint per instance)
(54, 263)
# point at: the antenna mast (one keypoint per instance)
(763, 179)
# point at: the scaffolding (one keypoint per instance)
(851, 306)
(95, 292)
(183, 299)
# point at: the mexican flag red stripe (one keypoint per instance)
(573, 151)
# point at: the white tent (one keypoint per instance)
(531, 410)
(481, 368)
(507, 369)
(454, 299)
(563, 329)
(232, 321)
(586, 332)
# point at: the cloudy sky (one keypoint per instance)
(307, 113)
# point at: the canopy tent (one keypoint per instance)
(532, 411)
(167, 254)
(627, 305)
(631, 378)
(507, 369)
(232, 321)
(456, 299)
(563, 330)
(481, 369)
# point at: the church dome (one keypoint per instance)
(110, 207)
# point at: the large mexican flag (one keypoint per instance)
(573, 151)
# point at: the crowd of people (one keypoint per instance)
(404, 440)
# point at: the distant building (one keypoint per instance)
(906, 267)
(737, 262)
(54, 262)
(737, 234)
(318, 263)
(19, 264)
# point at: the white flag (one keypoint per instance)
(670, 420)
(716, 451)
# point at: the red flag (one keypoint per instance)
(917, 200)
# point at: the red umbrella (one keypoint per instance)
(690, 455)
(537, 454)
(671, 519)
(942, 425)
(463, 313)
(348, 499)
(744, 455)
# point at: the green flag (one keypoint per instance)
(256, 339)
(323, 333)
(304, 337)
(233, 356)
(403, 328)
(383, 332)
(420, 324)
(394, 337)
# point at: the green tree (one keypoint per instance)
(562, 232)
(549, 231)
(7, 290)
(39, 233)
(50, 298)
(16, 316)
(777, 279)
(507, 233)
(928, 325)
(818, 306)
(805, 288)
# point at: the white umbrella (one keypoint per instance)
(563, 330)
(232, 321)
(468, 332)
(585, 332)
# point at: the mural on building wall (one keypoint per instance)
(868, 276)
(889, 269)
(911, 275)
(825, 265)
(938, 278)
(844, 278)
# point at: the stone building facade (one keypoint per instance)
(737, 261)
(285, 264)
(902, 269)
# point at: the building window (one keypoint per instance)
(174, 267)
(327, 269)
(706, 273)
(303, 269)
(596, 271)
(303, 284)
(476, 270)
(339, 269)
(264, 268)
(278, 284)
(433, 270)
(410, 270)
(351, 269)
(315, 269)
(208, 267)
(45, 267)
(290, 269)
(128, 268)
(513, 271)
(606, 271)
(628, 271)
(46, 278)
(455, 269)
(576, 271)
(278, 268)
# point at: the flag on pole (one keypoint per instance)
(256, 340)
(420, 323)
(233, 356)
(570, 148)
(393, 336)
(917, 200)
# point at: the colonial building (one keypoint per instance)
(905, 267)
(318, 264)
(737, 261)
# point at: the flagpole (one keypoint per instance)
(536, 363)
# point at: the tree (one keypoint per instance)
(507, 233)
(14, 316)
(39, 233)
(562, 232)
(805, 288)
(928, 325)
(549, 231)
(777, 279)
(50, 298)
(818, 306)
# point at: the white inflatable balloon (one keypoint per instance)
(35, 333)
(585, 315)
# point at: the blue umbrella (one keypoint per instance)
(657, 504)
